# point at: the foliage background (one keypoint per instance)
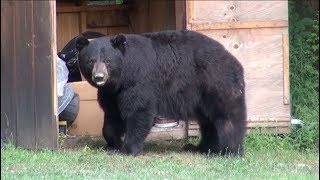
(304, 72)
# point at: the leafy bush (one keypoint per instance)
(304, 73)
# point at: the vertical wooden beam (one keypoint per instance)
(83, 21)
(180, 14)
(8, 72)
(25, 78)
(189, 13)
(45, 57)
(286, 74)
(54, 63)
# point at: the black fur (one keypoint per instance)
(69, 55)
(178, 74)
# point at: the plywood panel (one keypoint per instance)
(261, 54)
(67, 28)
(232, 11)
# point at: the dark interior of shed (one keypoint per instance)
(111, 17)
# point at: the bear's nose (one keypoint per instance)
(98, 77)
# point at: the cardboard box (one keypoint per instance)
(90, 118)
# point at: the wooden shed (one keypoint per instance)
(256, 32)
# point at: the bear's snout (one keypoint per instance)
(99, 73)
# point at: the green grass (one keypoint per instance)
(162, 160)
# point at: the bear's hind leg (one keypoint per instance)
(209, 137)
(230, 137)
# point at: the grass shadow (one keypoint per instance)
(154, 147)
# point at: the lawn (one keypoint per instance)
(160, 160)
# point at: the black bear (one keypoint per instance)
(69, 55)
(178, 74)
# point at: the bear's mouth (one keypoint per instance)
(100, 83)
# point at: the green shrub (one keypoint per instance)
(304, 73)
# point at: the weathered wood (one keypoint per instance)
(107, 19)
(234, 11)
(261, 54)
(118, 30)
(238, 25)
(8, 72)
(286, 75)
(54, 63)
(139, 16)
(25, 79)
(189, 13)
(46, 125)
(67, 28)
(112, 30)
(180, 14)
(83, 22)
(92, 8)
(100, 30)
(161, 15)
(28, 98)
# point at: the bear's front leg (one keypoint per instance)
(113, 129)
(113, 126)
(137, 109)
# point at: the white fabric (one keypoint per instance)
(62, 76)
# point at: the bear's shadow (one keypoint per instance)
(154, 147)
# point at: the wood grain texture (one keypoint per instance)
(189, 13)
(46, 124)
(161, 15)
(286, 74)
(139, 16)
(83, 22)
(27, 114)
(25, 79)
(8, 72)
(233, 11)
(261, 54)
(238, 25)
(180, 14)
(67, 28)
(92, 8)
(53, 41)
(107, 19)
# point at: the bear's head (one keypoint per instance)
(100, 59)
(69, 54)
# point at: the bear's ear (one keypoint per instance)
(81, 43)
(119, 41)
(62, 55)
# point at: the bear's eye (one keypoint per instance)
(91, 61)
